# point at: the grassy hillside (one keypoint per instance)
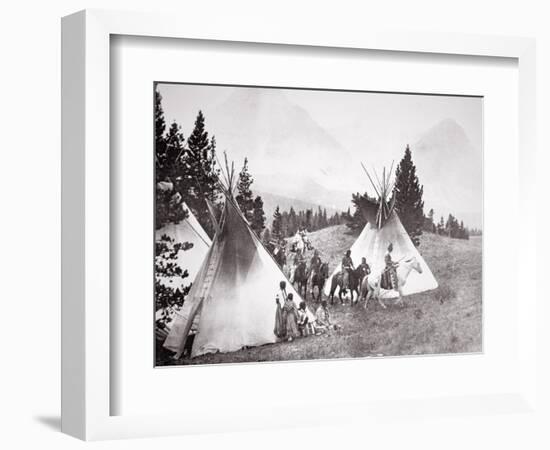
(446, 320)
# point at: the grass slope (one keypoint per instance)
(446, 320)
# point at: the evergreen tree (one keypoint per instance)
(308, 219)
(362, 203)
(166, 266)
(266, 237)
(277, 226)
(257, 222)
(429, 224)
(441, 226)
(292, 222)
(244, 196)
(200, 176)
(168, 195)
(408, 197)
(160, 140)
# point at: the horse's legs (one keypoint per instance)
(377, 295)
(369, 295)
(400, 298)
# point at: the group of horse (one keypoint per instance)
(361, 286)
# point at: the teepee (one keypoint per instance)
(188, 230)
(232, 301)
(384, 227)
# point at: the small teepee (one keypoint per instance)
(232, 301)
(384, 227)
(188, 230)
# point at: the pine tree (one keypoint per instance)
(167, 200)
(277, 226)
(174, 151)
(200, 176)
(258, 216)
(244, 196)
(408, 197)
(160, 140)
(429, 224)
(441, 226)
(308, 219)
(266, 237)
(292, 223)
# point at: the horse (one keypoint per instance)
(280, 256)
(300, 278)
(301, 243)
(355, 278)
(370, 286)
(319, 279)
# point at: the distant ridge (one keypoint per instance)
(271, 201)
(450, 168)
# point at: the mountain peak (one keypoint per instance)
(445, 135)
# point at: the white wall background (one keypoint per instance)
(30, 197)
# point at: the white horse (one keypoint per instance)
(301, 242)
(371, 284)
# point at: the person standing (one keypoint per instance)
(280, 299)
(290, 318)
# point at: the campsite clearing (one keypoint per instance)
(445, 320)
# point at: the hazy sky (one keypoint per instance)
(384, 120)
(368, 127)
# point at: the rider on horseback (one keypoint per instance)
(364, 268)
(347, 267)
(315, 266)
(389, 276)
(298, 259)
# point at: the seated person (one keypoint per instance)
(322, 319)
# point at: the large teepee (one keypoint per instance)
(234, 291)
(188, 230)
(384, 227)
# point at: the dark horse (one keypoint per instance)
(300, 278)
(319, 280)
(355, 278)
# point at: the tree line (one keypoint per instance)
(407, 196)
(451, 227)
(287, 223)
(187, 170)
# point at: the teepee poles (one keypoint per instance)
(383, 187)
(372, 182)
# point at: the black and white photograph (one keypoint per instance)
(307, 224)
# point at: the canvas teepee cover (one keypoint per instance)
(234, 292)
(383, 226)
(188, 230)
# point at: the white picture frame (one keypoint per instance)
(86, 386)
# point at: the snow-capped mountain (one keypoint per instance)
(289, 153)
(450, 168)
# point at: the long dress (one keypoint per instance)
(290, 319)
(280, 327)
(390, 274)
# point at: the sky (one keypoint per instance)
(404, 116)
(370, 127)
